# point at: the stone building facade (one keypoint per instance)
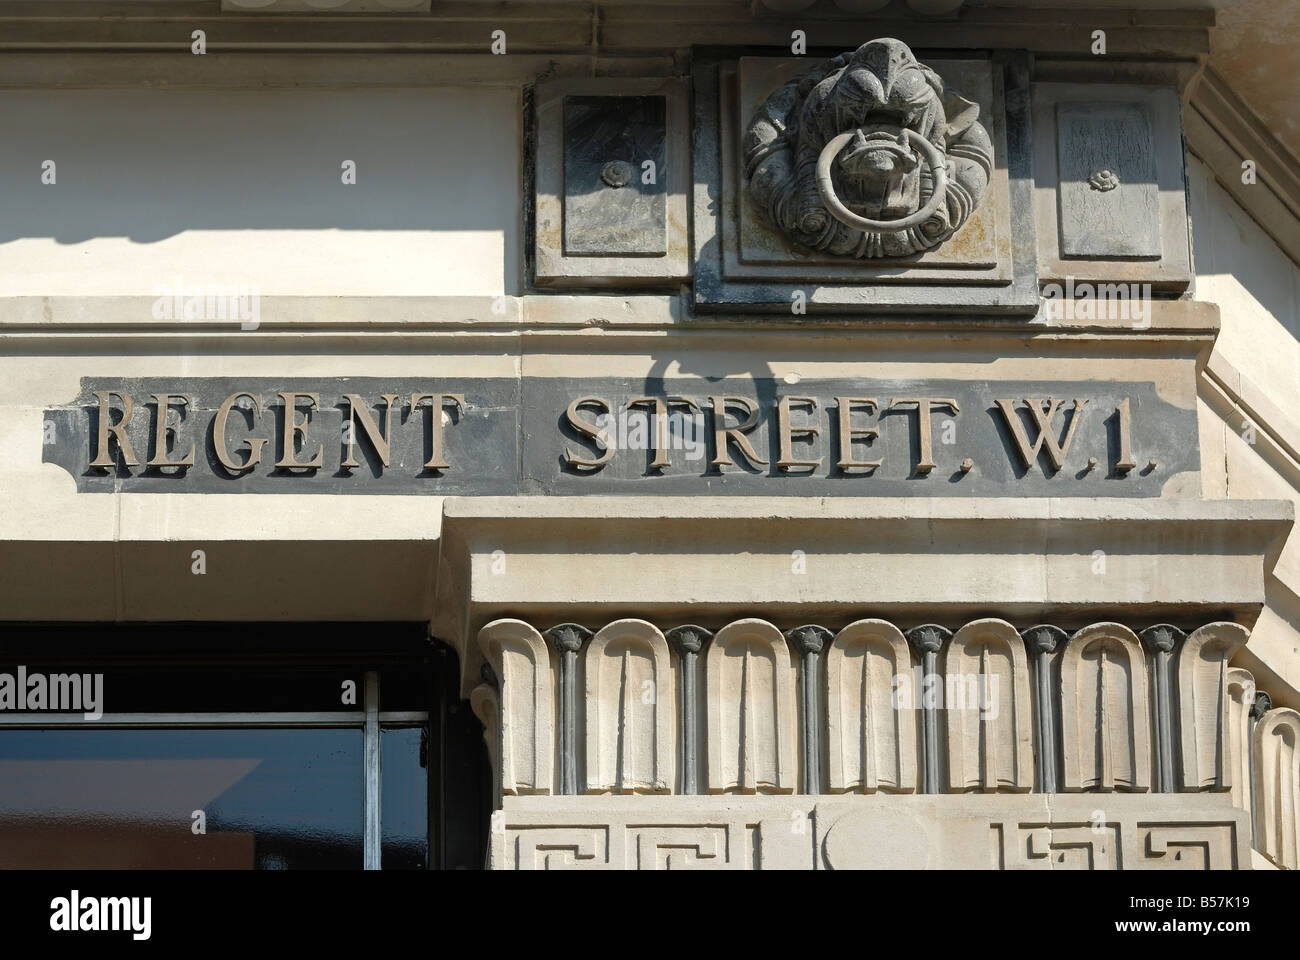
(803, 435)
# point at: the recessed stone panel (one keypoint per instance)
(1109, 195)
(613, 185)
(611, 171)
(1110, 192)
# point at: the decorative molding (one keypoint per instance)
(871, 737)
(874, 554)
(586, 229)
(1043, 641)
(631, 727)
(809, 640)
(955, 831)
(1223, 132)
(518, 656)
(990, 745)
(1106, 732)
(927, 640)
(830, 166)
(1204, 706)
(1239, 739)
(1277, 787)
(868, 734)
(567, 638)
(548, 28)
(1161, 640)
(485, 701)
(750, 703)
(689, 640)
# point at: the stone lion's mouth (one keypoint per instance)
(876, 171)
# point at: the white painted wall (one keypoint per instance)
(244, 187)
(1257, 288)
(1255, 284)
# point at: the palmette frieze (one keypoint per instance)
(866, 709)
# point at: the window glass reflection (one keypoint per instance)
(404, 798)
(270, 799)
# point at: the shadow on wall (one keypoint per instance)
(435, 207)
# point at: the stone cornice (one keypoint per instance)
(574, 27)
(914, 560)
(1193, 322)
(1223, 132)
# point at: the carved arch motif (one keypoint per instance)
(871, 735)
(1105, 720)
(752, 719)
(520, 658)
(1203, 704)
(1277, 786)
(1241, 697)
(986, 700)
(631, 710)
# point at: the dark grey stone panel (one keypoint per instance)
(480, 440)
(516, 437)
(979, 433)
(609, 208)
(1109, 195)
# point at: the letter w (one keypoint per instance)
(1046, 436)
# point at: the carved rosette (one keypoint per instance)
(867, 156)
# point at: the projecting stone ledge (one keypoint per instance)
(971, 832)
(711, 560)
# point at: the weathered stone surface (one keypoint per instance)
(614, 204)
(751, 706)
(611, 178)
(1277, 786)
(725, 280)
(1108, 195)
(871, 744)
(1238, 741)
(956, 831)
(1204, 706)
(631, 714)
(1110, 203)
(502, 436)
(525, 733)
(1105, 721)
(867, 155)
(988, 709)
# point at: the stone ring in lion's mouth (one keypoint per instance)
(836, 208)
